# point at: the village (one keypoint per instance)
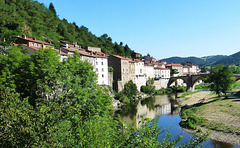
(115, 70)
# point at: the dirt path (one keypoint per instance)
(194, 98)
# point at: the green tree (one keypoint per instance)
(221, 79)
(51, 7)
(173, 71)
(149, 88)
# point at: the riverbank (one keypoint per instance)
(221, 116)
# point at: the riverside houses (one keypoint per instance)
(97, 59)
(149, 69)
(179, 68)
(139, 72)
(121, 72)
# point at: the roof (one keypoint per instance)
(120, 57)
(62, 53)
(186, 73)
(137, 60)
(91, 54)
(164, 68)
(174, 64)
(34, 40)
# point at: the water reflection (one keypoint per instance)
(149, 108)
(167, 107)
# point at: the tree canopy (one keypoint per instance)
(58, 104)
(221, 79)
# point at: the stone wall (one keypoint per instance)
(161, 83)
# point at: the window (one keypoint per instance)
(96, 69)
(102, 75)
(96, 63)
(102, 69)
(102, 63)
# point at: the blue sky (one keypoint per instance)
(162, 28)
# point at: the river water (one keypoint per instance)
(166, 108)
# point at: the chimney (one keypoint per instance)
(24, 36)
(74, 43)
(66, 45)
(4, 40)
(43, 46)
(28, 44)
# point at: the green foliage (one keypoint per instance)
(128, 94)
(221, 79)
(47, 103)
(189, 120)
(110, 69)
(179, 88)
(35, 20)
(149, 88)
(130, 89)
(202, 86)
(174, 71)
(164, 91)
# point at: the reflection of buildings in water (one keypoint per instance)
(162, 106)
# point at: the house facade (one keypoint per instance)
(32, 44)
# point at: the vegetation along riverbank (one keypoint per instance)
(220, 115)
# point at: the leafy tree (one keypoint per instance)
(149, 88)
(221, 79)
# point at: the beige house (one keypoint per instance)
(179, 68)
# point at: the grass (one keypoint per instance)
(219, 114)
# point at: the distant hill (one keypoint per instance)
(229, 60)
(203, 61)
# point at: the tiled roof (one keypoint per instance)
(174, 64)
(137, 60)
(164, 68)
(34, 40)
(120, 57)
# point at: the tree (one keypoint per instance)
(174, 71)
(51, 7)
(221, 79)
(149, 88)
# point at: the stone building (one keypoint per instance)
(121, 71)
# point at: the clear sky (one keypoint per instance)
(162, 28)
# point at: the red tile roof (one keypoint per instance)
(174, 64)
(34, 40)
(120, 57)
(164, 68)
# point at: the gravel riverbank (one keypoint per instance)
(222, 112)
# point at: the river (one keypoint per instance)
(166, 108)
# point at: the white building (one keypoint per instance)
(139, 73)
(165, 73)
(100, 64)
(149, 70)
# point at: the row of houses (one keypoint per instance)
(124, 69)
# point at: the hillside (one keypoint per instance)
(203, 61)
(229, 60)
(35, 20)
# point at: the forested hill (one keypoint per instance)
(35, 20)
(203, 61)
